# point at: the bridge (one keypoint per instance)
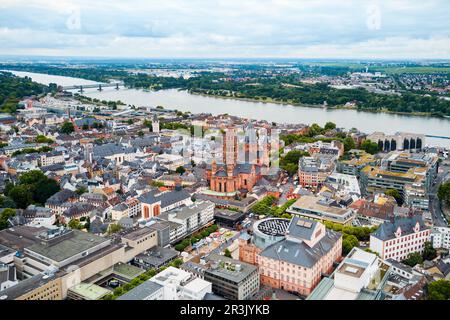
(99, 86)
(438, 137)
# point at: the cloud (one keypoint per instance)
(227, 28)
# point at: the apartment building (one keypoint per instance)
(398, 238)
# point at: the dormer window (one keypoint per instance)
(398, 233)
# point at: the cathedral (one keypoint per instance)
(242, 165)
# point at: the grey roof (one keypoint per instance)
(60, 197)
(76, 243)
(110, 149)
(166, 198)
(26, 286)
(300, 253)
(387, 230)
(142, 291)
(157, 256)
(234, 276)
(301, 228)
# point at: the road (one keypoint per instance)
(435, 206)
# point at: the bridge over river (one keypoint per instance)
(99, 86)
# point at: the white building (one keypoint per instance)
(396, 240)
(359, 274)
(440, 237)
(178, 284)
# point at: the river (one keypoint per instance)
(182, 100)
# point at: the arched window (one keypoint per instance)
(393, 145)
(412, 144)
(419, 144)
(146, 212)
(406, 144)
(380, 145)
(387, 145)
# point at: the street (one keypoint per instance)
(435, 206)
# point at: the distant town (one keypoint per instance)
(106, 200)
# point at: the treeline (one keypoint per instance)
(316, 94)
(100, 74)
(13, 89)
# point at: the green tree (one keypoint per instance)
(227, 253)
(180, 170)
(348, 243)
(114, 227)
(370, 147)
(394, 193)
(75, 224)
(21, 195)
(330, 126)
(429, 253)
(81, 190)
(439, 290)
(315, 130)
(67, 127)
(4, 216)
(444, 193)
(413, 259)
(349, 144)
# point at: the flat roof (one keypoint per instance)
(221, 270)
(127, 270)
(137, 234)
(312, 203)
(89, 291)
(78, 242)
(142, 291)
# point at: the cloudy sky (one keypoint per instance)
(372, 29)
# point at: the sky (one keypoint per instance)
(309, 29)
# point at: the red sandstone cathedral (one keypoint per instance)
(242, 166)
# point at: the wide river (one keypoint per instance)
(181, 100)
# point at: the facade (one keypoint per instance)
(154, 203)
(239, 170)
(189, 218)
(232, 279)
(312, 171)
(440, 237)
(291, 257)
(396, 240)
(297, 263)
(398, 141)
(228, 218)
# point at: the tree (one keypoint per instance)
(429, 253)
(330, 126)
(370, 147)
(348, 243)
(180, 170)
(21, 195)
(4, 216)
(413, 259)
(75, 224)
(81, 190)
(349, 144)
(394, 193)
(444, 193)
(439, 290)
(140, 133)
(114, 227)
(315, 130)
(227, 253)
(67, 127)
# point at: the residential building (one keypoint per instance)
(398, 238)
(312, 171)
(440, 237)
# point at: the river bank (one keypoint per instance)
(318, 106)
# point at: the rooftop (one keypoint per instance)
(68, 247)
(89, 291)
